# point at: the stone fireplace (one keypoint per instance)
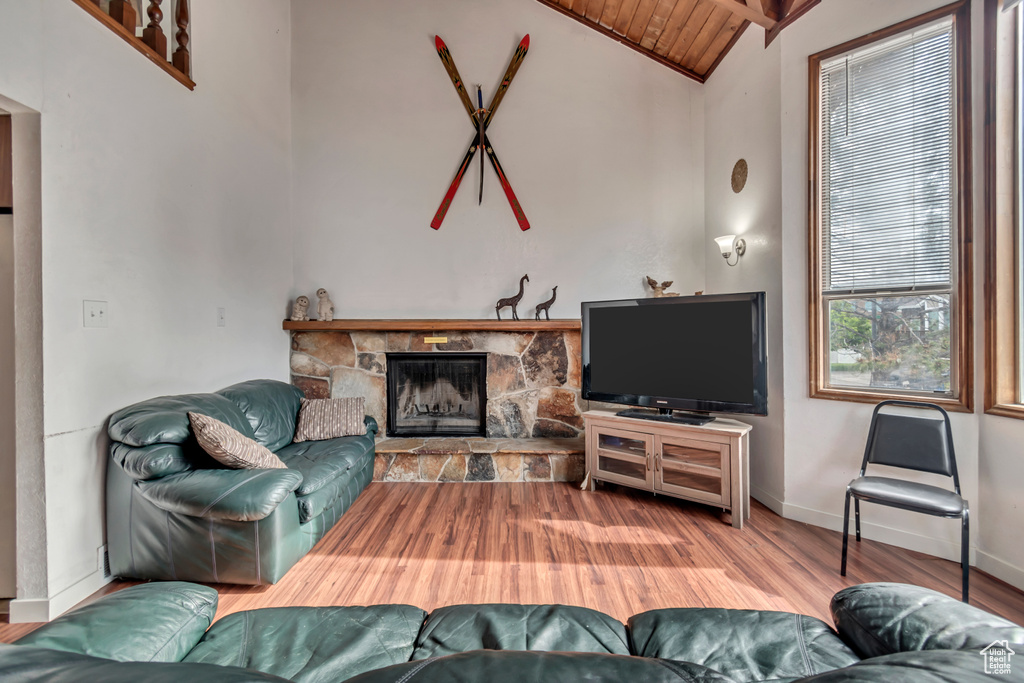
(533, 377)
(532, 410)
(436, 394)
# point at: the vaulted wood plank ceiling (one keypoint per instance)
(689, 36)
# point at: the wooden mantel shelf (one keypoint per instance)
(432, 325)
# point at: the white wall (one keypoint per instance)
(602, 146)
(742, 122)
(1001, 492)
(756, 107)
(166, 204)
(824, 439)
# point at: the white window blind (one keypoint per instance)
(887, 133)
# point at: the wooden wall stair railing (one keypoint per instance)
(121, 18)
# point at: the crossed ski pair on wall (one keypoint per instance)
(481, 119)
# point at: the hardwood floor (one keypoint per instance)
(617, 550)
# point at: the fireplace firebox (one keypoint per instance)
(436, 394)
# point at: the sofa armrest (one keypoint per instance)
(878, 619)
(371, 424)
(936, 666)
(152, 622)
(231, 495)
(40, 665)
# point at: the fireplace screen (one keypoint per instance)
(436, 394)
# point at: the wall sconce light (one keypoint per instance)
(729, 244)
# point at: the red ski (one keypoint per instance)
(453, 73)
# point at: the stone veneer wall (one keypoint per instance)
(533, 378)
(477, 459)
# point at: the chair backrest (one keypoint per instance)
(912, 442)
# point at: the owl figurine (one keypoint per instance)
(299, 309)
(324, 307)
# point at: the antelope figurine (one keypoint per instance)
(547, 304)
(512, 301)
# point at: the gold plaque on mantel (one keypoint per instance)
(435, 340)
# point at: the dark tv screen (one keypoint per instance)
(692, 353)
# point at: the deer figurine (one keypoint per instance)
(547, 304)
(659, 289)
(512, 301)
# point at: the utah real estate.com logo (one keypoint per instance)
(997, 657)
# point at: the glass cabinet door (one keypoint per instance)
(623, 457)
(693, 469)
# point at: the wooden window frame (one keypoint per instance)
(961, 301)
(1002, 239)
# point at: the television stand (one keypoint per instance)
(707, 464)
(666, 415)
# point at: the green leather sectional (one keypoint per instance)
(161, 632)
(175, 513)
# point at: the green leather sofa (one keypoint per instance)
(161, 632)
(175, 513)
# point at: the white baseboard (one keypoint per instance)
(768, 500)
(33, 610)
(1001, 569)
(877, 532)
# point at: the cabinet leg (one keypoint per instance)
(737, 518)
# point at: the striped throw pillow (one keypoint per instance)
(231, 448)
(327, 418)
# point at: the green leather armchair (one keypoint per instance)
(175, 513)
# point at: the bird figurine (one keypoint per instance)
(659, 289)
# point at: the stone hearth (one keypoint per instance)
(533, 376)
(478, 459)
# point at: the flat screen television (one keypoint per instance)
(705, 354)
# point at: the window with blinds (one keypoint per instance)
(887, 147)
(886, 228)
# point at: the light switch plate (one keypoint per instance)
(222, 319)
(94, 313)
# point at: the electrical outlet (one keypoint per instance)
(222, 320)
(94, 313)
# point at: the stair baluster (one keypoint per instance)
(182, 60)
(123, 13)
(153, 35)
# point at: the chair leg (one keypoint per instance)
(856, 516)
(965, 551)
(846, 532)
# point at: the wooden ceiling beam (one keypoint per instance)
(769, 8)
(789, 6)
(553, 4)
(754, 13)
(791, 10)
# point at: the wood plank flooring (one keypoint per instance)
(616, 550)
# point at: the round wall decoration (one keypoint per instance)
(739, 175)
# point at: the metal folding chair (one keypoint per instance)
(916, 443)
